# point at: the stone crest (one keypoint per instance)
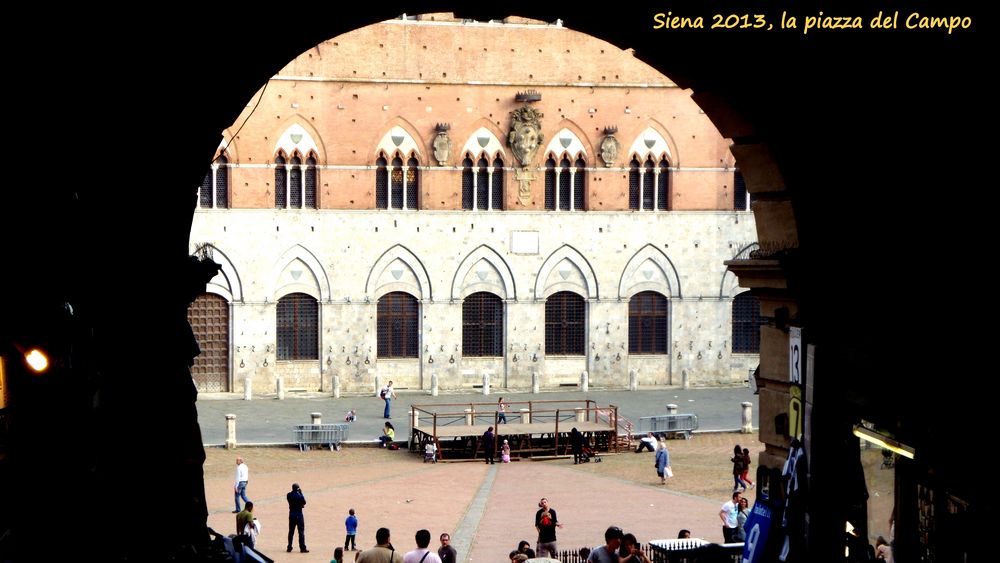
(442, 143)
(610, 146)
(525, 134)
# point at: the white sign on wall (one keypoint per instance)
(796, 361)
(524, 242)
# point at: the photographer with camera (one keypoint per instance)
(296, 501)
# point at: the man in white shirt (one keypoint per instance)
(728, 517)
(388, 395)
(240, 486)
(647, 443)
(422, 554)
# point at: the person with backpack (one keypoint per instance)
(387, 395)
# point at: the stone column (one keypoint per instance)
(581, 413)
(486, 383)
(534, 382)
(685, 380)
(633, 379)
(671, 409)
(434, 384)
(247, 387)
(526, 416)
(280, 382)
(317, 417)
(378, 382)
(230, 431)
(747, 417)
(468, 417)
(584, 381)
(336, 386)
(415, 421)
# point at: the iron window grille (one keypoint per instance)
(647, 323)
(564, 324)
(397, 322)
(746, 324)
(482, 325)
(297, 327)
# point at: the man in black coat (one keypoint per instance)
(296, 500)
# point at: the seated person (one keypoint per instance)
(649, 442)
(388, 435)
(430, 451)
(351, 416)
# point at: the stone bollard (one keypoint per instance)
(434, 384)
(378, 383)
(584, 381)
(633, 379)
(534, 382)
(280, 382)
(468, 417)
(747, 417)
(317, 417)
(685, 380)
(486, 383)
(415, 418)
(581, 413)
(336, 387)
(247, 388)
(671, 409)
(526, 416)
(230, 431)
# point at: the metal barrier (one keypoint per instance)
(330, 435)
(669, 424)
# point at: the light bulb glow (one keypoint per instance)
(37, 360)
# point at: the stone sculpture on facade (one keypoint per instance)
(610, 146)
(524, 138)
(442, 144)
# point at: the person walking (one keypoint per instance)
(546, 523)
(387, 395)
(296, 501)
(737, 459)
(352, 531)
(489, 443)
(240, 485)
(501, 411)
(662, 460)
(746, 467)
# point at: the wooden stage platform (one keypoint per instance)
(534, 428)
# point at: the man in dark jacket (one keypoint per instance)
(296, 501)
(489, 442)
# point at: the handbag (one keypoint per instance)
(668, 472)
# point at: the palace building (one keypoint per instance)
(435, 197)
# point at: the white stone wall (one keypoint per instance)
(348, 259)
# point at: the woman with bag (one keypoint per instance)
(663, 462)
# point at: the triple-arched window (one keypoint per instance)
(397, 185)
(482, 183)
(565, 183)
(649, 184)
(295, 182)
